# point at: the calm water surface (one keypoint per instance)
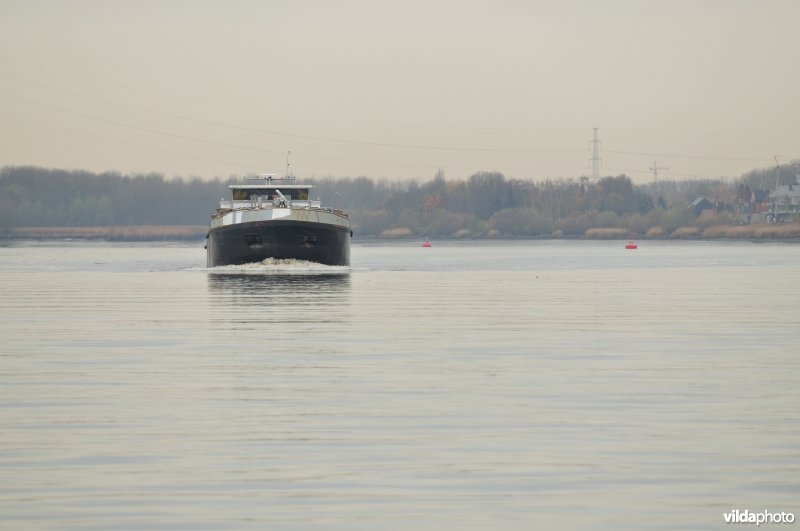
(531, 385)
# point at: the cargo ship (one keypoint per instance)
(267, 217)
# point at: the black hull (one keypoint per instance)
(255, 241)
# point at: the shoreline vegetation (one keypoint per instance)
(39, 203)
(130, 233)
(135, 233)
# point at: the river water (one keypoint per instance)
(488, 385)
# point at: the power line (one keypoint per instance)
(698, 157)
(71, 131)
(320, 138)
(61, 90)
(596, 144)
(136, 127)
(701, 133)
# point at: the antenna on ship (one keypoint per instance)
(287, 164)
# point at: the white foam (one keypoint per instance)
(282, 266)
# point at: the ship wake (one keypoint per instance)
(281, 266)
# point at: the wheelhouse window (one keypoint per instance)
(245, 194)
(240, 194)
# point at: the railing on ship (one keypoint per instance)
(265, 203)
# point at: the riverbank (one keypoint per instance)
(787, 232)
(118, 233)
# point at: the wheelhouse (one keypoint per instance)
(269, 192)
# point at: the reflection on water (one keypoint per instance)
(282, 297)
(567, 385)
(308, 287)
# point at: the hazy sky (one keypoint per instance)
(707, 88)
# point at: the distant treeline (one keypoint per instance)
(486, 204)
(31, 196)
